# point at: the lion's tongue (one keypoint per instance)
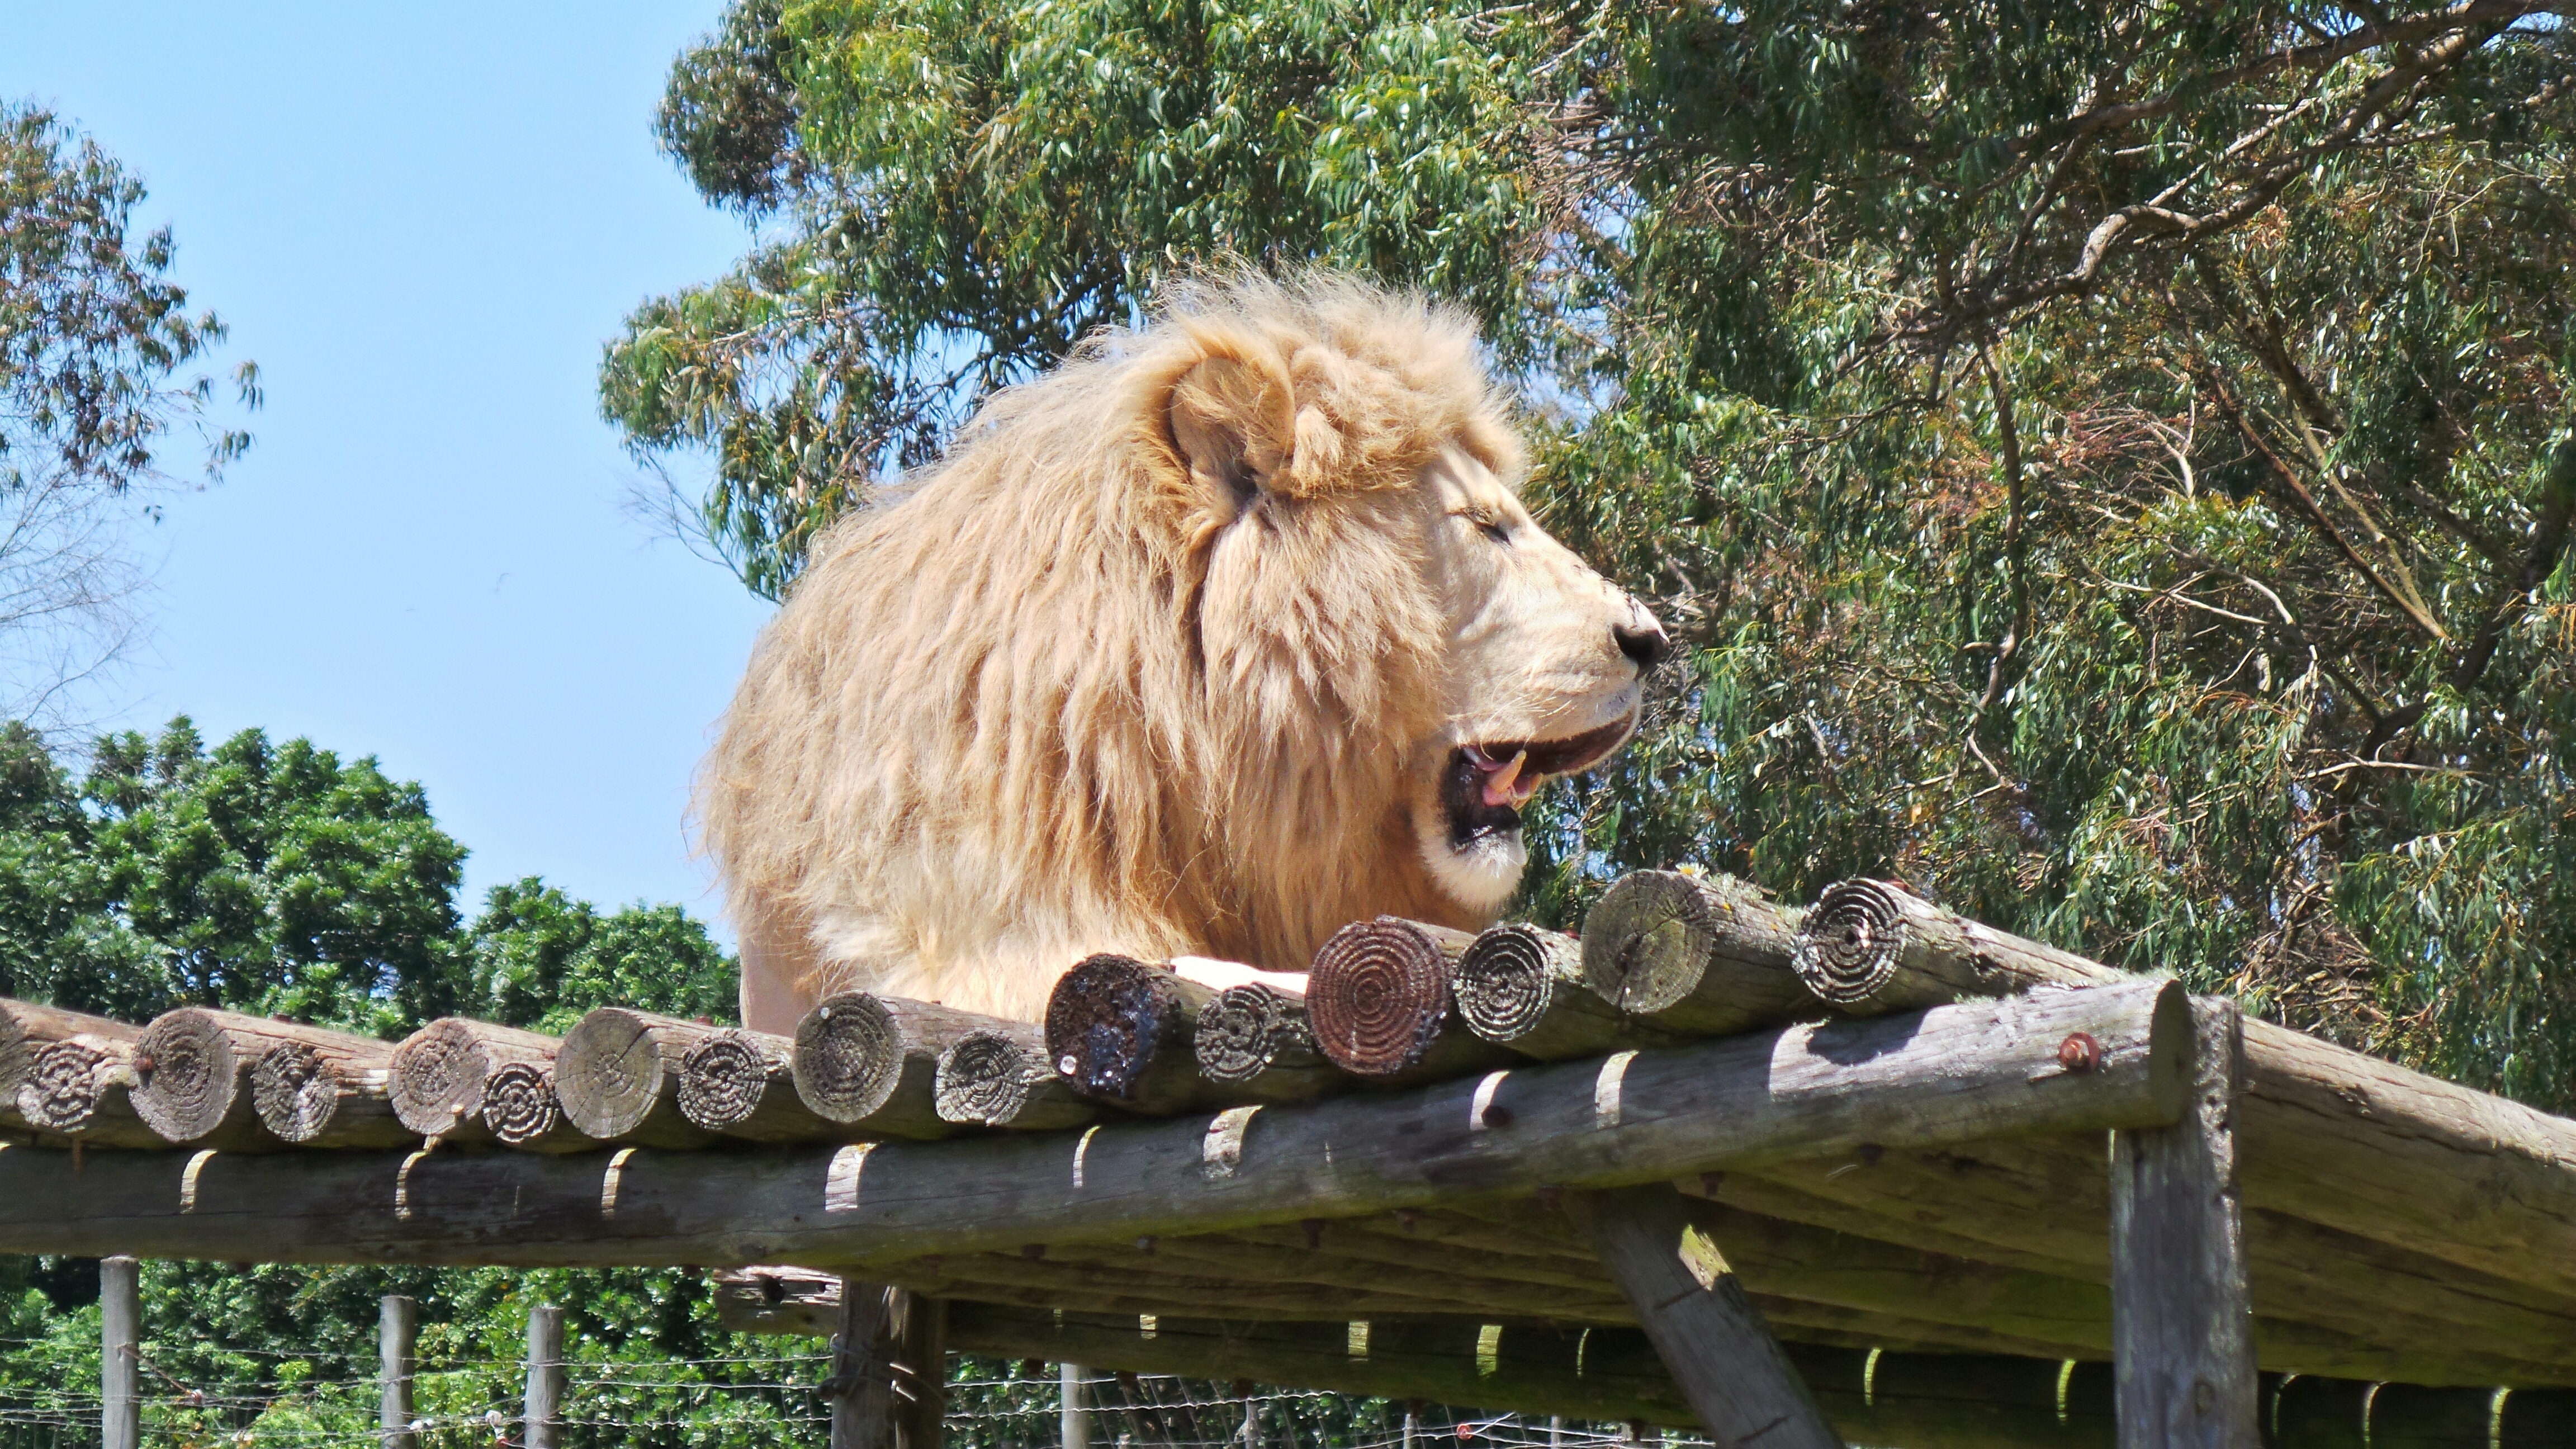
(1503, 786)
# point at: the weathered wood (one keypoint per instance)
(80, 1088)
(2409, 1416)
(520, 1110)
(917, 1343)
(617, 1077)
(1076, 1273)
(442, 1073)
(871, 1063)
(860, 1388)
(1874, 946)
(1379, 1002)
(397, 1330)
(2182, 1315)
(1073, 1427)
(542, 1420)
(1199, 1259)
(2374, 1149)
(1711, 1338)
(1707, 956)
(1522, 987)
(27, 1028)
(1253, 1041)
(1121, 1031)
(999, 1076)
(1956, 1073)
(743, 1084)
(196, 1068)
(328, 1089)
(120, 1323)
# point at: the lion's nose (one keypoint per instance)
(1643, 642)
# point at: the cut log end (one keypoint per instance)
(296, 1091)
(190, 1075)
(724, 1078)
(67, 1081)
(1647, 942)
(1247, 1029)
(1111, 1019)
(1851, 942)
(519, 1106)
(439, 1077)
(617, 1066)
(1509, 979)
(984, 1079)
(849, 1056)
(1378, 998)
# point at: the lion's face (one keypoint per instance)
(1540, 676)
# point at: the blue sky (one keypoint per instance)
(422, 222)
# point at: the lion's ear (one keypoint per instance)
(1229, 420)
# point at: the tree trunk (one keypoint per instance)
(743, 1084)
(79, 1088)
(329, 1090)
(196, 1065)
(520, 1110)
(27, 1029)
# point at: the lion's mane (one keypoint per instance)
(1005, 720)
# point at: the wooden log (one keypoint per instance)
(120, 1315)
(27, 1029)
(1379, 1001)
(1711, 1338)
(1122, 1031)
(617, 1077)
(860, 1388)
(1965, 1072)
(520, 1110)
(197, 1063)
(917, 1344)
(2182, 1317)
(1254, 1043)
(743, 1084)
(1070, 1274)
(328, 1090)
(397, 1333)
(1874, 946)
(871, 1063)
(1522, 987)
(999, 1076)
(1708, 956)
(443, 1072)
(1197, 1260)
(78, 1088)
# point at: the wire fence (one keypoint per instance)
(331, 1401)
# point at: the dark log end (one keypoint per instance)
(849, 1056)
(1245, 1030)
(1507, 981)
(295, 1090)
(1851, 941)
(1107, 1021)
(61, 1089)
(438, 1077)
(608, 1074)
(193, 1076)
(723, 1079)
(519, 1105)
(983, 1079)
(1378, 996)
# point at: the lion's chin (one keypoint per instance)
(1481, 873)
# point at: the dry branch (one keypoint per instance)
(617, 1076)
(1121, 1031)
(1379, 1001)
(443, 1072)
(78, 1088)
(1872, 946)
(871, 1063)
(999, 1076)
(1255, 1044)
(1522, 987)
(1706, 956)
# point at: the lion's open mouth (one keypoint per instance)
(1486, 783)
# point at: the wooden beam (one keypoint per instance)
(1873, 946)
(2182, 1318)
(27, 1029)
(1954, 1073)
(1378, 1000)
(1523, 988)
(999, 1076)
(917, 1355)
(1704, 955)
(1709, 1335)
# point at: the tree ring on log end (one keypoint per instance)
(722, 1080)
(519, 1104)
(61, 1088)
(1647, 942)
(194, 1079)
(982, 1080)
(1108, 1018)
(609, 1073)
(295, 1090)
(436, 1070)
(1851, 942)
(1378, 996)
(1504, 983)
(849, 1056)
(1243, 1031)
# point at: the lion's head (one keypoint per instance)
(1228, 632)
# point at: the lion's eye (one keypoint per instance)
(1490, 526)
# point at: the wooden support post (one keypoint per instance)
(917, 1340)
(2182, 1321)
(1709, 1335)
(858, 1387)
(544, 1421)
(120, 1303)
(397, 1328)
(1075, 1428)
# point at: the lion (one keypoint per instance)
(1229, 631)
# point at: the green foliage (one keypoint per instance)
(540, 959)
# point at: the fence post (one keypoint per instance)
(861, 1388)
(397, 1328)
(1077, 1429)
(545, 1376)
(120, 1303)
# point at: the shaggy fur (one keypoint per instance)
(1166, 657)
